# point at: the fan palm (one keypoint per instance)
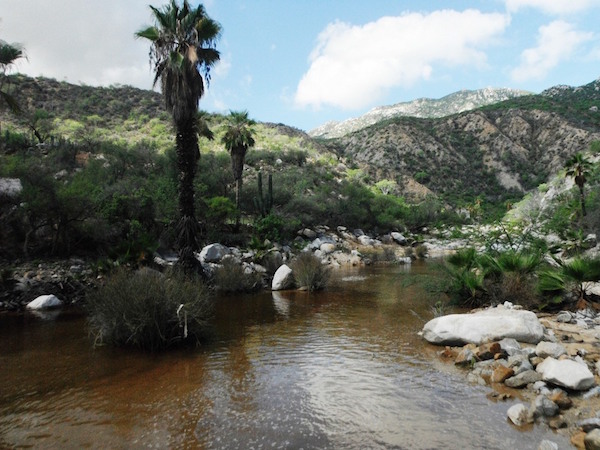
(238, 138)
(182, 52)
(9, 53)
(578, 167)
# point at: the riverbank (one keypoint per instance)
(554, 375)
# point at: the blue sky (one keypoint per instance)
(305, 62)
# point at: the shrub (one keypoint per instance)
(309, 272)
(231, 277)
(148, 310)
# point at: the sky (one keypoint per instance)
(307, 62)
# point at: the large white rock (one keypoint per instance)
(44, 302)
(489, 325)
(566, 373)
(398, 238)
(214, 253)
(283, 278)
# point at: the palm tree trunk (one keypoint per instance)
(582, 196)
(238, 196)
(187, 158)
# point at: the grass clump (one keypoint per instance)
(149, 310)
(231, 276)
(309, 272)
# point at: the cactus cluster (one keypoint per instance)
(264, 204)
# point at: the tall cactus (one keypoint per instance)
(264, 204)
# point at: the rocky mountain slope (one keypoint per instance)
(492, 154)
(509, 147)
(454, 103)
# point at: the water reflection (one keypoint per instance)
(342, 368)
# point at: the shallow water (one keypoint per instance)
(343, 368)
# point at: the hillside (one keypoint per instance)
(493, 154)
(454, 103)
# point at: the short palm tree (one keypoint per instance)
(238, 138)
(578, 167)
(9, 53)
(182, 52)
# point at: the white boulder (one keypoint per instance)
(489, 325)
(283, 278)
(214, 253)
(554, 349)
(44, 302)
(566, 373)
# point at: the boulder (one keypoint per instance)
(566, 373)
(44, 302)
(214, 253)
(327, 248)
(484, 326)
(545, 349)
(590, 424)
(523, 379)
(398, 238)
(519, 414)
(283, 278)
(510, 346)
(543, 407)
(592, 440)
(366, 240)
(501, 373)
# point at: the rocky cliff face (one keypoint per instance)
(424, 108)
(479, 152)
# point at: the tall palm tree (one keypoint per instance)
(9, 53)
(182, 52)
(578, 167)
(238, 138)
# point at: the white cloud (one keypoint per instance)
(352, 66)
(556, 42)
(88, 41)
(552, 6)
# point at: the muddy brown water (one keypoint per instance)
(340, 369)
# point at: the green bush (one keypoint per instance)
(309, 272)
(148, 310)
(269, 227)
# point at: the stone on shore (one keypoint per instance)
(489, 325)
(545, 349)
(523, 379)
(44, 302)
(214, 253)
(519, 414)
(283, 278)
(592, 440)
(566, 373)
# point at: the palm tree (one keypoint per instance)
(182, 53)
(578, 167)
(238, 138)
(9, 53)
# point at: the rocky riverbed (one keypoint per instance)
(550, 362)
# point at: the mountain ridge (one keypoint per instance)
(426, 108)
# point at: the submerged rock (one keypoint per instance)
(484, 326)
